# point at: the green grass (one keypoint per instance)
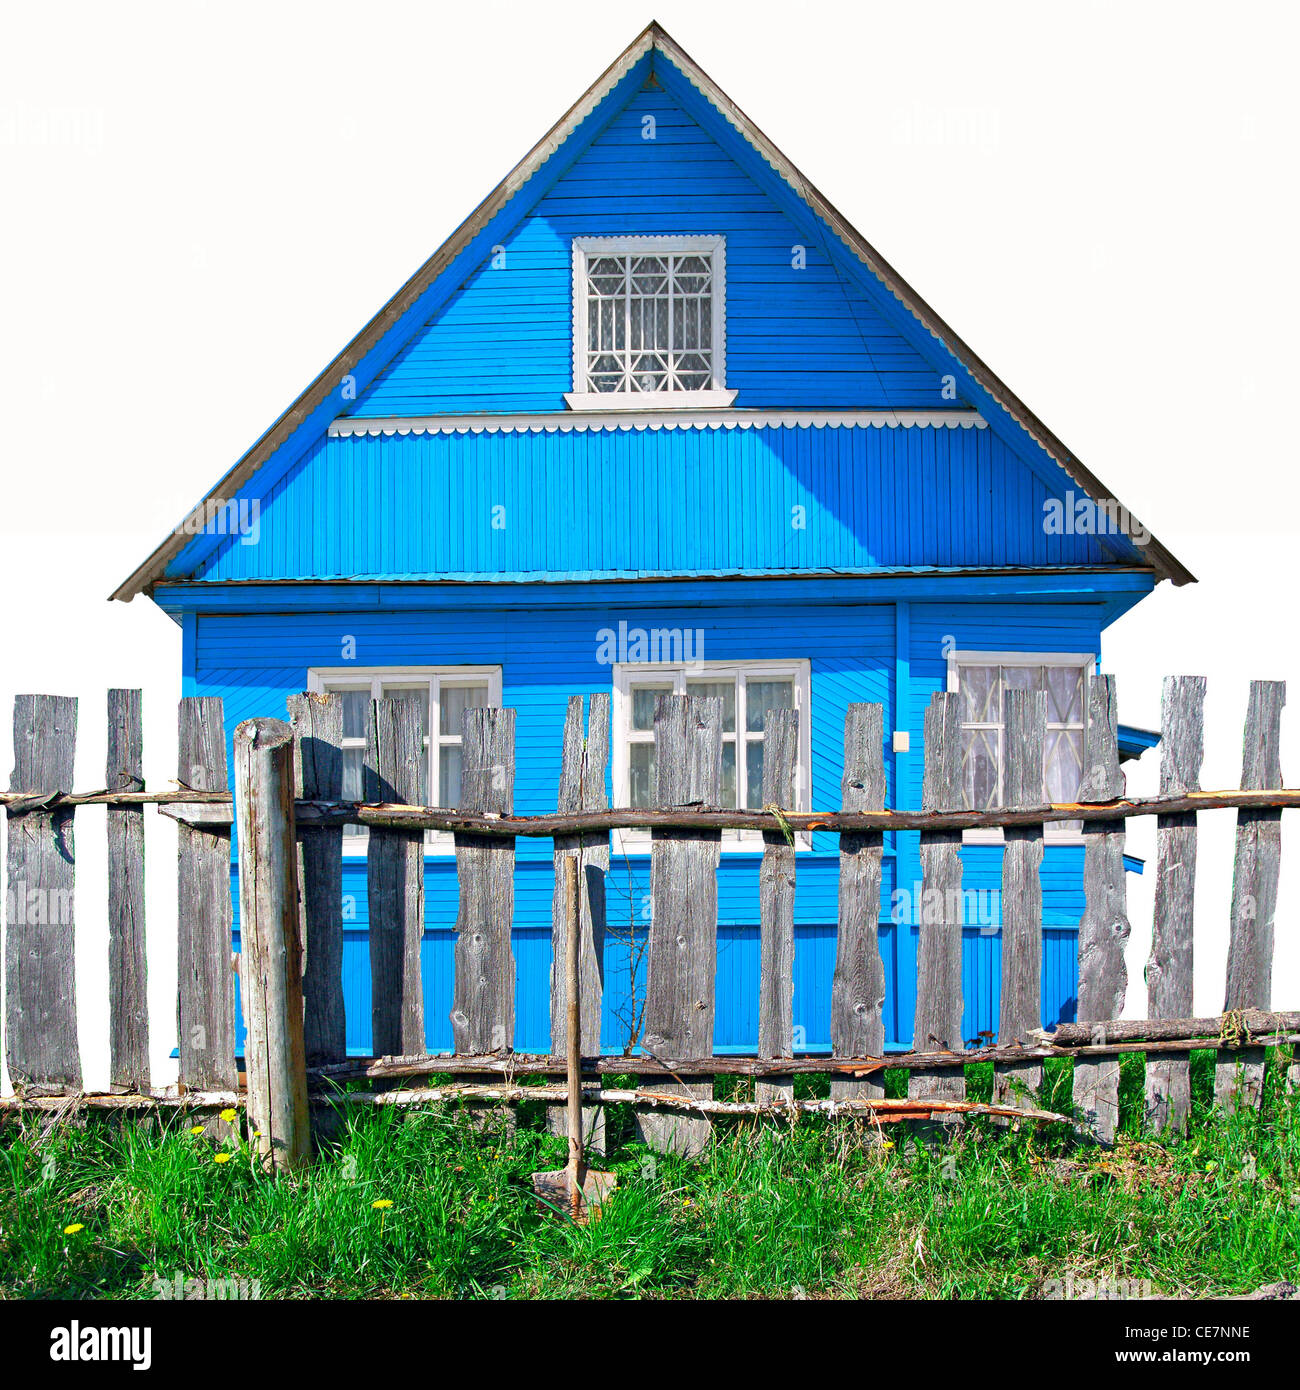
(816, 1209)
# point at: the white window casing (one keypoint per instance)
(741, 741)
(442, 692)
(981, 677)
(649, 323)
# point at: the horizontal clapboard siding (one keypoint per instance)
(795, 335)
(778, 499)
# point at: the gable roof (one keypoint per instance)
(653, 49)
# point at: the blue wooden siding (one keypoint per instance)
(255, 660)
(795, 336)
(685, 501)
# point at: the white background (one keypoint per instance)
(203, 202)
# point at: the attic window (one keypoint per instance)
(648, 317)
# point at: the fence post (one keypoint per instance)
(483, 999)
(776, 904)
(1169, 969)
(128, 998)
(1024, 721)
(271, 974)
(40, 966)
(858, 985)
(1239, 1075)
(939, 951)
(1104, 928)
(681, 964)
(582, 788)
(205, 980)
(317, 723)
(395, 881)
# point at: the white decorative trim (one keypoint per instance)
(608, 401)
(564, 421)
(714, 246)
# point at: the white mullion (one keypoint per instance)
(627, 322)
(670, 353)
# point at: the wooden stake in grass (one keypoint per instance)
(272, 951)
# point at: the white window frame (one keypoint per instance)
(628, 674)
(580, 398)
(1054, 833)
(322, 678)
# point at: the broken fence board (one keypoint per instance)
(128, 994)
(681, 963)
(205, 978)
(858, 984)
(1169, 969)
(776, 903)
(40, 933)
(1239, 1076)
(939, 952)
(1104, 929)
(395, 878)
(317, 722)
(483, 1012)
(1024, 723)
(582, 788)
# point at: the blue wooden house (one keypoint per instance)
(657, 418)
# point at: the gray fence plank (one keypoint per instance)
(1169, 969)
(1239, 1075)
(317, 722)
(205, 980)
(1104, 928)
(40, 936)
(395, 880)
(270, 933)
(128, 994)
(582, 788)
(776, 904)
(1024, 722)
(938, 966)
(483, 1013)
(681, 959)
(858, 985)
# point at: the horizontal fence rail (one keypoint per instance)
(291, 813)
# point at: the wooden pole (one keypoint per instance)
(272, 950)
(573, 1033)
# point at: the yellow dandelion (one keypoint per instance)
(382, 1204)
(887, 1144)
(229, 1114)
(221, 1158)
(74, 1228)
(196, 1129)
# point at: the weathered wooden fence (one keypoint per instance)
(288, 808)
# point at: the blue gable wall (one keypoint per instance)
(685, 501)
(794, 336)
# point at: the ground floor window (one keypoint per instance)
(747, 691)
(441, 694)
(981, 679)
